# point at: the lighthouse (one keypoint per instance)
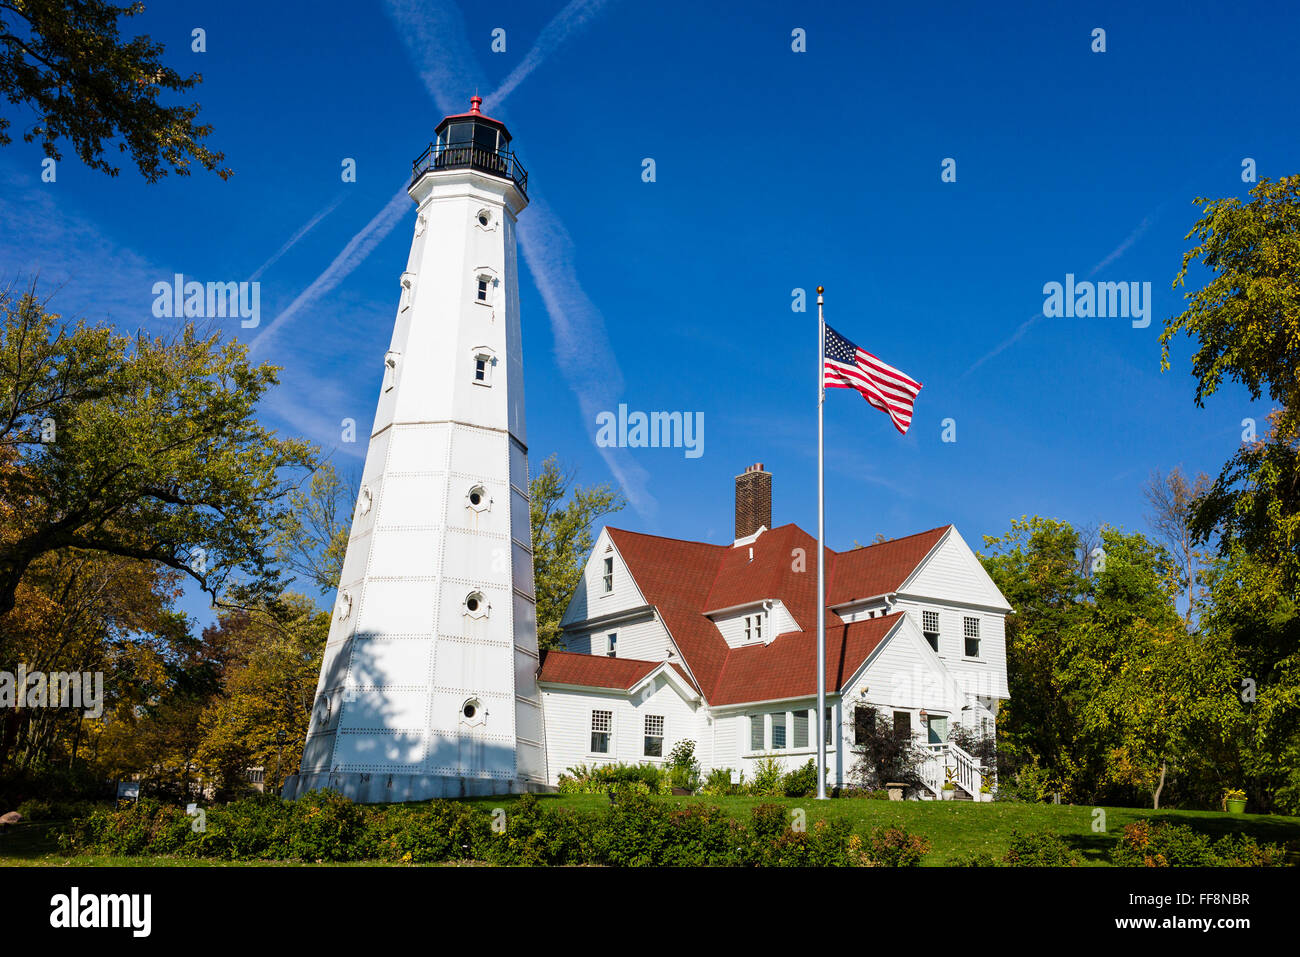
(428, 687)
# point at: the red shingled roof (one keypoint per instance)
(787, 668)
(684, 580)
(593, 671)
(879, 569)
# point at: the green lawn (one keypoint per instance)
(955, 829)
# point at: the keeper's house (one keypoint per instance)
(667, 640)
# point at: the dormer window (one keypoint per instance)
(758, 627)
(748, 635)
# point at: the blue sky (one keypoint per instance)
(775, 170)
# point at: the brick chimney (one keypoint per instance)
(753, 501)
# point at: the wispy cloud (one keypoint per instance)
(352, 255)
(582, 348)
(293, 240)
(435, 40)
(565, 24)
(1122, 248)
(1029, 323)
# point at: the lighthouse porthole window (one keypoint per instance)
(476, 606)
(478, 499)
(472, 712)
(484, 218)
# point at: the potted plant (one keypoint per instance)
(949, 791)
(1235, 801)
(986, 793)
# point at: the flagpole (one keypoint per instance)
(821, 551)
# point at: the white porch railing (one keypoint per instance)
(948, 761)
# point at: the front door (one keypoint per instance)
(937, 727)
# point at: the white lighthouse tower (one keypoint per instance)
(428, 687)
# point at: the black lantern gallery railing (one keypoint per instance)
(468, 156)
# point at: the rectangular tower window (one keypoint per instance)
(611, 648)
(480, 369)
(601, 723)
(654, 736)
(971, 632)
(482, 289)
(609, 575)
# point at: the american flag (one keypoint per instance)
(849, 367)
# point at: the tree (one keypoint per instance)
(143, 448)
(314, 540)
(562, 517)
(1246, 324)
(1038, 568)
(87, 85)
(1173, 500)
(262, 714)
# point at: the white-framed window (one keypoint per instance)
(654, 736)
(484, 286)
(408, 284)
(609, 574)
(485, 361)
(611, 645)
(748, 636)
(757, 736)
(799, 729)
(602, 724)
(390, 369)
(758, 627)
(971, 633)
(778, 731)
(930, 627)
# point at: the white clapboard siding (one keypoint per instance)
(985, 675)
(952, 572)
(568, 724)
(590, 600)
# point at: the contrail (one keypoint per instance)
(353, 254)
(293, 240)
(565, 23)
(1025, 326)
(436, 39)
(582, 347)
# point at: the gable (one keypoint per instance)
(951, 572)
(590, 600)
(904, 671)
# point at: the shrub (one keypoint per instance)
(883, 754)
(801, 782)
(718, 783)
(683, 768)
(326, 826)
(892, 846)
(1042, 849)
(769, 778)
(600, 778)
(1159, 844)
